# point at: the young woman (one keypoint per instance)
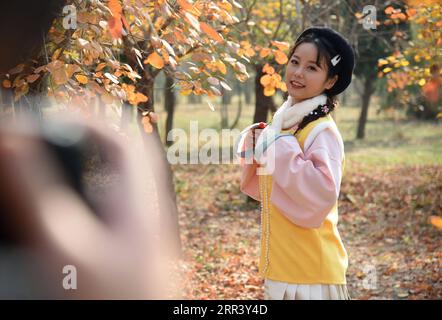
(296, 170)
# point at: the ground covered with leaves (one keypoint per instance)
(385, 213)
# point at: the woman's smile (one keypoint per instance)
(296, 85)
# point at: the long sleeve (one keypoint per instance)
(249, 179)
(306, 185)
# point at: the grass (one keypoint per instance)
(390, 140)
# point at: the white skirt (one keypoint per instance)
(276, 290)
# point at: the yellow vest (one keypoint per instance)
(294, 254)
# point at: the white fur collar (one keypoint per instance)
(289, 115)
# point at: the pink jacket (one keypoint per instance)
(306, 184)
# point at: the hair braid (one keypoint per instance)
(317, 113)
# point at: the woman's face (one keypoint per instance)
(303, 77)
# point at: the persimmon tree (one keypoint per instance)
(111, 51)
(416, 61)
(267, 29)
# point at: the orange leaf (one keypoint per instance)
(264, 52)
(268, 69)
(436, 221)
(265, 80)
(155, 60)
(281, 45)
(269, 91)
(212, 33)
(81, 78)
(6, 83)
(115, 7)
(115, 27)
(184, 4)
(114, 22)
(100, 66)
(139, 97)
(389, 10)
(280, 57)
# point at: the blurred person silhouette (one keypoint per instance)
(58, 239)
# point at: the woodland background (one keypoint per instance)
(150, 66)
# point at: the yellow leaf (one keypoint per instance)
(155, 60)
(283, 86)
(221, 66)
(212, 33)
(186, 92)
(280, 57)
(422, 82)
(81, 78)
(269, 91)
(387, 70)
(436, 221)
(265, 80)
(56, 54)
(382, 62)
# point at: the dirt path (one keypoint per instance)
(394, 252)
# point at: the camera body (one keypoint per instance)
(70, 146)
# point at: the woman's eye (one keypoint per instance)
(312, 68)
(294, 62)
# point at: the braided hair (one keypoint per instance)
(319, 112)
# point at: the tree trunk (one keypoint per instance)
(365, 98)
(262, 103)
(169, 106)
(7, 110)
(161, 171)
(247, 93)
